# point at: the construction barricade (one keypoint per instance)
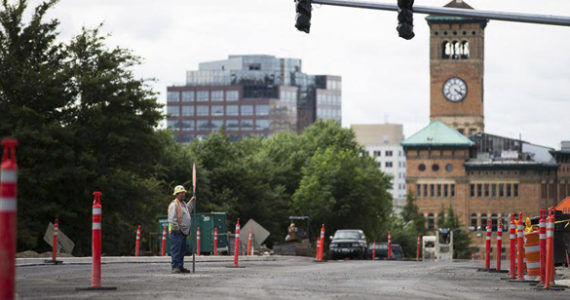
(532, 254)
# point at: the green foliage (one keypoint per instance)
(411, 214)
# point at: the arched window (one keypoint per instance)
(455, 47)
(430, 220)
(473, 221)
(483, 222)
(464, 50)
(445, 49)
(494, 222)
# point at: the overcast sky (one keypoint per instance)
(385, 78)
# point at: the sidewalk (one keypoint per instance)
(23, 262)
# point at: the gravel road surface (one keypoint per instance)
(282, 278)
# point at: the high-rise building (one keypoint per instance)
(251, 95)
(382, 141)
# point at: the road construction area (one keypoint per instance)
(273, 277)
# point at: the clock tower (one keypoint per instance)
(456, 70)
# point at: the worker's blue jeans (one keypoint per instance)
(177, 249)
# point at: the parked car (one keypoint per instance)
(347, 243)
(382, 251)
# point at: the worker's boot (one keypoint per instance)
(176, 271)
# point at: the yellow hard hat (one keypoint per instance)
(527, 221)
(179, 189)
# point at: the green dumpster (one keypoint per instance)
(207, 222)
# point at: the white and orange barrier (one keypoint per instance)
(513, 250)
(321, 244)
(8, 219)
(138, 241)
(163, 249)
(236, 248)
(499, 246)
(532, 254)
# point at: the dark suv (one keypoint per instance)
(348, 243)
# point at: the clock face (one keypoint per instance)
(455, 89)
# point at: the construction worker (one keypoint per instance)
(528, 226)
(179, 227)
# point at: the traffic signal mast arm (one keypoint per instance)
(492, 15)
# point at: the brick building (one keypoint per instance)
(452, 161)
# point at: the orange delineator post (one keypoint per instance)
(162, 252)
(138, 241)
(499, 246)
(389, 245)
(513, 249)
(54, 242)
(96, 244)
(248, 253)
(542, 236)
(374, 250)
(236, 248)
(520, 249)
(215, 240)
(418, 249)
(321, 243)
(488, 246)
(8, 218)
(549, 279)
(198, 242)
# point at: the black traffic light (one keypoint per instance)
(303, 17)
(405, 19)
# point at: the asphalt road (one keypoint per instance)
(283, 278)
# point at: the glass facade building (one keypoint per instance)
(251, 95)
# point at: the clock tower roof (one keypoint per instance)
(437, 134)
(434, 19)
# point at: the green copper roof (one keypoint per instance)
(437, 134)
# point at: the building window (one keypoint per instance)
(187, 125)
(479, 188)
(247, 110)
(173, 111)
(494, 190)
(377, 153)
(216, 124)
(232, 125)
(494, 222)
(473, 222)
(430, 220)
(483, 221)
(173, 125)
(202, 96)
(246, 124)
(388, 153)
(232, 95)
(422, 167)
(217, 96)
(202, 110)
(435, 167)
(439, 190)
(431, 190)
(501, 190)
(418, 189)
(217, 110)
(508, 189)
(261, 110)
(187, 96)
(452, 190)
(445, 193)
(460, 130)
(472, 190)
(388, 164)
(203, 125)
(261, 125)
(448, 167)
(515, 190)
(231, 110)
(486, 190)
(187, 111)
(172, 96)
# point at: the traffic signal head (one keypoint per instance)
(405, 19)
(303, 17)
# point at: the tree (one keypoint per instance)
(411, 214)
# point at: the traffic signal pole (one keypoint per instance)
(485, 14)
